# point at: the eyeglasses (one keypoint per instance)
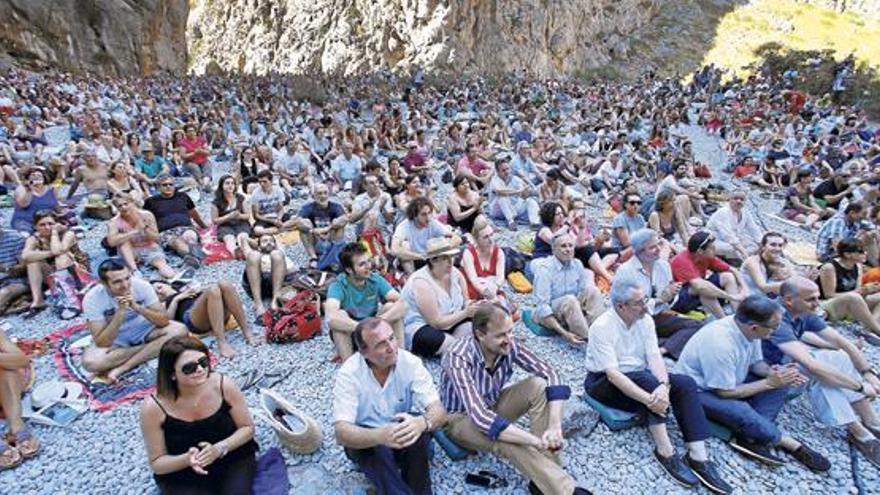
(190, 368)
(641, 303)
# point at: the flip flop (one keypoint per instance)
(25, 442)
(9, 456)
(33, 311)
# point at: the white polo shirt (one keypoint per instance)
(613, 345)
(358, 398)
(718, 356)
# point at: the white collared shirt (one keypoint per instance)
(614, 345)
(358, 398)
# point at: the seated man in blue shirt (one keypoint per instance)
(843, 383)
(385, 406)
(567, 299)
(738, 389)
(360, 293)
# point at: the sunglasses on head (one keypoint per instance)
(190, 368)
(706, 242)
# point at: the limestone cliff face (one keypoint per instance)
(356, 36)
(109, 36)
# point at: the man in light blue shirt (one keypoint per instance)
(654, 276)
(385, 405)
(347, 168)
(567, 299)
(738, 389)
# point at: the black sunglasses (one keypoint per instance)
(637, 202)
(190, 368)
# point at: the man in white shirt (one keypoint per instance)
(626, 371)
(736, 233)
(373, 208)
(385, 406)
(347, 169)
(509, 198)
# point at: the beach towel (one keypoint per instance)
(215, 252)
(132, 386)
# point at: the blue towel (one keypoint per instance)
(535, 327)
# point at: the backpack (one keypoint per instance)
(296, 321)
(66, 291)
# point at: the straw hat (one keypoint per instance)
(305, 439)
(440, 246)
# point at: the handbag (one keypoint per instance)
(295, 321)
(313, 280)
(701, 170)
(66, 291)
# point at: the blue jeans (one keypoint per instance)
(683, 395)
(752, 418)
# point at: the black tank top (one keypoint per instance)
(847, 280)
(180, 435)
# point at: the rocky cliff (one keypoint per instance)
(109, 36)
(356, 36)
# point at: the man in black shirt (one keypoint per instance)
(321, 223)
(175, 213)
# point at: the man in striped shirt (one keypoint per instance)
(482, 412)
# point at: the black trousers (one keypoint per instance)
(396, 471)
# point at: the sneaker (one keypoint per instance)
(869, 448)
(811, 459)
(675, 466)
(708, 476)
(755, 451)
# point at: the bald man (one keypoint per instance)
(842, 381)
(566, 295)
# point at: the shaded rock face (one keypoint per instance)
(106, 36)
(863, 7)
(355, 36)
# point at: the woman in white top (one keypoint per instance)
(439, 310)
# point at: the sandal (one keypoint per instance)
(9, 456)
(33, 311)
(25, 442)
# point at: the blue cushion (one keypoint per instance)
(535, 327)
(720, 431)
(271, 476)
(452, 449)
(615, 419)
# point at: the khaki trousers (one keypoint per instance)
(541, 467)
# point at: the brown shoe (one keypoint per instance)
(869, 448)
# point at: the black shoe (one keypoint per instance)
(708, 476)
(677, 469)
(581, 491)
(755, 451)
(811, 459)
(869, 448)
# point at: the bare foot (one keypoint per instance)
(226, 350)
(113, 375)
(254, 340)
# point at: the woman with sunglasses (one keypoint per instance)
(841, 289)
(197, 429)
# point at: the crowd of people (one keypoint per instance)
(683, 301)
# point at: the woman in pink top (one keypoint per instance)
(133, 232)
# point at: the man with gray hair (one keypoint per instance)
(737, 235)
(843, 383)
(654, 276)
(566, 296)
(626, 371)
(740, 390)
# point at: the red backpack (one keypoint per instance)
(296, 321)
